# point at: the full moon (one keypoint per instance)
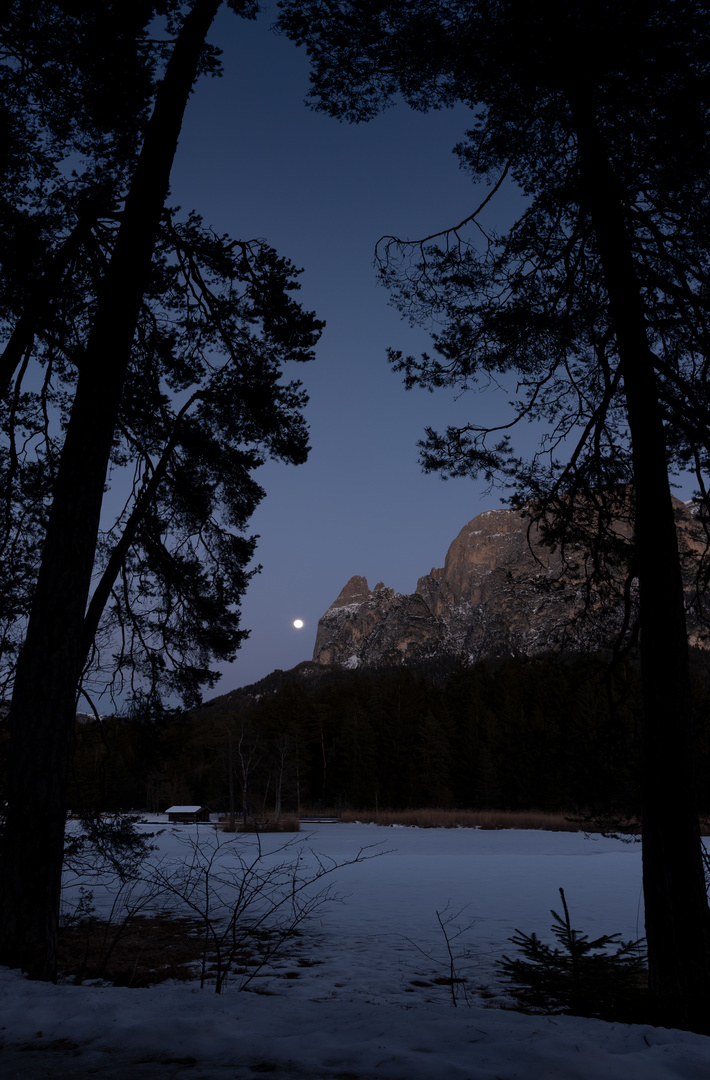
(298, 623)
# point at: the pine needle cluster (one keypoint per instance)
(603, 978)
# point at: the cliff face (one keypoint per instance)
(500, 593)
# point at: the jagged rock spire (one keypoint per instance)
(501, 592)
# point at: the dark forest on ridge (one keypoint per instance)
(558, 735)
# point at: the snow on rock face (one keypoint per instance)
(501, 592)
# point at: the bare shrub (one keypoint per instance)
(243, 902)
(454, 930)
(241, 893)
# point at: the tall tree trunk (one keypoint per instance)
(677, 917)
(49, 667)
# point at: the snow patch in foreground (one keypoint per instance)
(229, 1036)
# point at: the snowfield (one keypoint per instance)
(352, 1009)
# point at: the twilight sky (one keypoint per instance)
(255, 162)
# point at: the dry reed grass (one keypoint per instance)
(433, 818)
(428, 818)
(144, 952)
(468, 819)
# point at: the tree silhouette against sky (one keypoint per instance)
(595, 301)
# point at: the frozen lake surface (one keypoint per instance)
(356, 1011)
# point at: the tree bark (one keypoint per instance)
(677, 916)
(54, 652)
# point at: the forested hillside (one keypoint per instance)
(549, 734)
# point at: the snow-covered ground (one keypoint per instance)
(357, 1013)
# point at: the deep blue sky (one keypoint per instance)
(255, 162)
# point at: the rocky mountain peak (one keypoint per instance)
(354, 592)
(501, 592)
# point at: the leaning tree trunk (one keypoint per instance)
(54, 652)
(677, 917)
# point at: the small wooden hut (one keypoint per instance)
(188, 814)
